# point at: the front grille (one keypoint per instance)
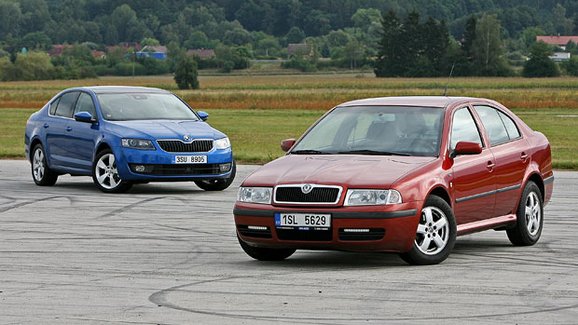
(178, 169)
(358, 235)
(304, 235)
(319, 194)
(179, 146)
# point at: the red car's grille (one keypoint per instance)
(179, 146)
(317, 194)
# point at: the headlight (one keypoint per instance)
(138, 144)
(372, 197)
(223, 143)
(255, 195)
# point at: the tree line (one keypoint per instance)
(432, 35)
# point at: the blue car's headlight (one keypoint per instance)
(223, 143)
(138, 144)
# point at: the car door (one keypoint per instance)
(57, 132)
(473, 181)
(82, 135)
(509, 150)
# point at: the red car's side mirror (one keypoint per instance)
(287, 144)
(466, 148)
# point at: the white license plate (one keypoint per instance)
(308, 220)
(190, 159)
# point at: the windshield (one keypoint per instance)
(142, 106)
(375, 130)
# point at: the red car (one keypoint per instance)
(399, 174)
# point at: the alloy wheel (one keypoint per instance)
(106, 172)
(38, 167)
(533, 213)
(432, 231)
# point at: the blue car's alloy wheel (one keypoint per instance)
(105, 174)
(41, 173)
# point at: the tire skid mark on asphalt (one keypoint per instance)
(160, 299)
(129, 206)
(25, 203)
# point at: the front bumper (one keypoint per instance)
(158, 165)
(374, 228)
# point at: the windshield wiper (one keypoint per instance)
(310, 152)
(374, 152)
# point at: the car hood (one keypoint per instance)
(166, 129)
(356, 171)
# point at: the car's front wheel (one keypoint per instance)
(436, 234)
(266, 254)
(218, 184)
(41, 173)
(105, 173)
(529, 217)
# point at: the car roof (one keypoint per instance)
(422, 101)
(121, 89)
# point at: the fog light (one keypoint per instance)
(224, 168)
(262, 228)
(139, 168)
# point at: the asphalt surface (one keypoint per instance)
(166, 253)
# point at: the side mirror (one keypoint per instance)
(466, 148)
(85, 117)
(203, 115)
(287, 144)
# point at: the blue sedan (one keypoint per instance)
(126, 135)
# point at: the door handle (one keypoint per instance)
(68, 128)
(490, 166)
(46, 125)
(524, 156)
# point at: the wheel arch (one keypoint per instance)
(442, 193)
(33, 144)
(537, 179)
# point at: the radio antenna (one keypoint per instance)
(449, 77)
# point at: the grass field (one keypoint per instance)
(259, 111)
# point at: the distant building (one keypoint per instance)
(299, 49)
(203, 54)
(98, 54)
(560, 41)
(158, 52)
(58, 49)
(560, 56)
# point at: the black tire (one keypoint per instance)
(435, 238)
(530, 217)
(218, 184)
(266, 254)
(105, 174)
(41, 173)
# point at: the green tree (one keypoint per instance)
(488, 48)
(539, 64)
(388, 58)
(34, 66)
(10, 19)
(186, 74)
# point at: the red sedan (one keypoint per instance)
(399, 174)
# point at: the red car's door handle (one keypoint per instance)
(524, 156)
(491, 165)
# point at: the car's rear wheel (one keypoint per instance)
(266, 254)
(218, 184)
(105, 173)
(436, 234)
(41, 173)
(529, 217)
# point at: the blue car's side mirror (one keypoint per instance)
(85, 117)
(203, 115)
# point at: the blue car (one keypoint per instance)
(126, 135)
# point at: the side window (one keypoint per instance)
(54, 105)
(511, 128)
(464, 128)
(66, 104)
(85, 104)
(493, 124)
